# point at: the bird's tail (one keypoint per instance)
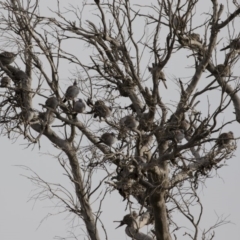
(225, 48)
(164, 82)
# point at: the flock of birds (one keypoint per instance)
(99, 108)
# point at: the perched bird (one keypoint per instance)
(47, 117)
(154, 70)
(221, 70)
(195, 37)
(178, 23)
(72, 92)
(234, 44)
(79, 106)
(19, 76)
(101, 110)
(129, 220)
(27, 115)
(108, 139)
(129, 122)
(162, 77)
(185, 125)
(179, 135)
(7, 58)
(225, 139)
(126, 86)
(52, 102)
(5, 81)
(97, 1)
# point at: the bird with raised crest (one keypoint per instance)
(71, 92)
(129, 220)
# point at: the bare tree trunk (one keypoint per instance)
(86, 210)
(160, 215)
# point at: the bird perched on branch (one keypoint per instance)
(178, 23)
(225, 139)
(234, 44)
(18, 76)
(71, 92)
(185, 125)
(47, 117)
(7, 58)
(52, 102)
(97, 2)
(129, 122)
(5, 81)
(195, 37)
(79, 106)
(179, 135)
(162, 77)
(99, 109)
(129, 220)
(108, 139)
(221, 70)
(156, 72)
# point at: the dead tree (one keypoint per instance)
(163, 152)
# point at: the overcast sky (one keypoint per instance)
(23, 218)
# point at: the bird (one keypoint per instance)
(195, 37)
(101, 110)
(179, 135)
(221, 70)
(7, 58)
(19, 76)
(234, 44)
(129, 220)
(178, 23)
(47, 117)
(185, 125)
(71, 92)
(129, 122)
(52, 102)
(225, 139)
(79, 106)
(97, 1)
(5, 81)
(160, 74)
(162, 77)
(108, 139)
